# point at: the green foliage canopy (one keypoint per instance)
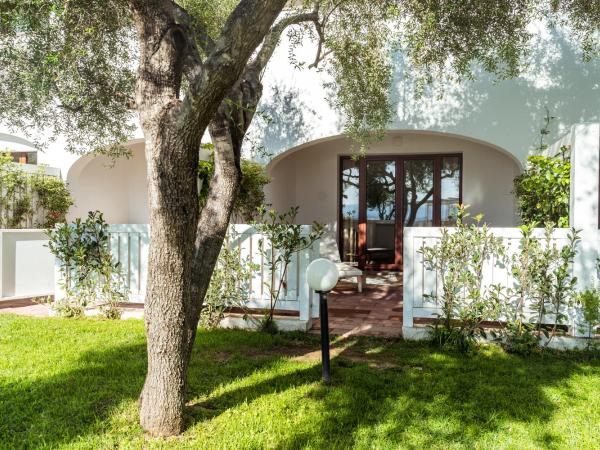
(68, 67)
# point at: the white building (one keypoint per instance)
(476, 137)
(466, 145)
(25, 154)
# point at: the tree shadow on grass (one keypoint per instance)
(80, 401)
(56, 410)
(427, 400)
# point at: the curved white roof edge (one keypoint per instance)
(81, 162)
(278, 158)
(16, 143)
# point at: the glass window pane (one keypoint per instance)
(349, 204)
(450, 194)
(418, 193)
(381, 212)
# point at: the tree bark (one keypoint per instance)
(173, 216)
(183, 246)
(227, 131)
(172, 161)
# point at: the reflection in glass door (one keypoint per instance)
(418, 193)
(380, 212)
(349, 213)
(450, 195)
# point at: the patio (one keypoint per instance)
(377, 311)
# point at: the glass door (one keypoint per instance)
(349, 204)
(380, 204)
(380, 195)
(418, 198)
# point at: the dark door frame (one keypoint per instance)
(399, 159)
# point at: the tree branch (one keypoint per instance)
(244, 30)
(206, 42)
(270, 42)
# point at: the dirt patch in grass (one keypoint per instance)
(341, 353)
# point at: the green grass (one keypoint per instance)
(74, 384)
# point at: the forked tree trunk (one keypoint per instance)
(183, 246)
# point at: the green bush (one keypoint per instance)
(26, 196)
(251, 191)
(53, 197)
(229, 285)
(543, 190)
(543, 280)
(543, 288)
(458, 259)
(589, 301)
(89, 274)
(284, 239)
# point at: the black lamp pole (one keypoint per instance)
(324, 315)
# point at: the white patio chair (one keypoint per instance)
(329, 249)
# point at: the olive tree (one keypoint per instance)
(184, 68)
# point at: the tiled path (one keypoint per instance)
(375, 312)
(23, 307)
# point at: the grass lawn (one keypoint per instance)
(74, 384)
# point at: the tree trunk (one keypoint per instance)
(183, 246)
(227, 135)
(173, 218)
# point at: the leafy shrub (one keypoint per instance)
(229, 286)
(251, 191)
(89, 275)
(53, 197)
(535, 305)
(589, 301)
(543, 189)
(25, 196)
(458, 258)
(553, 283)
(520, 338)
(286, 239)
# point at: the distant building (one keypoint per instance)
(24, 153)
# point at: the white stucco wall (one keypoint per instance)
(506, 113)
(117, 189)
(307, 177)
(584, 216)
(26, 264)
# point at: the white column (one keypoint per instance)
(585, 180)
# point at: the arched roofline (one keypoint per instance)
(391, 133)
(19, 144)
(81, 163)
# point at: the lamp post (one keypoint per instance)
(322, 275)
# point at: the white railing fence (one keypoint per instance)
(420, 282)
(130, 244)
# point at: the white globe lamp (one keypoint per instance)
(322, 275)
